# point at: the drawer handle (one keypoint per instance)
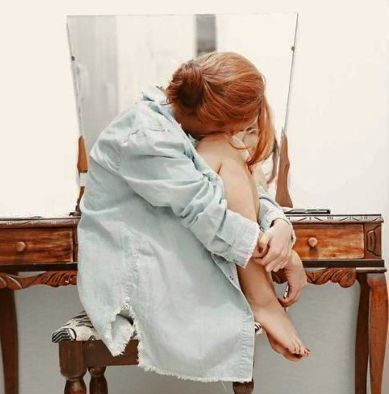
(312, 242)
(21, 246)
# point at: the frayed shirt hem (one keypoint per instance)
(205, 379)
(124, 337)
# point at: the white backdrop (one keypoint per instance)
(116, 57)
(339, 142)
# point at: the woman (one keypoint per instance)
(157, 243)
(205, 94)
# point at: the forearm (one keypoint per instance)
(155, 166)
(270, 212)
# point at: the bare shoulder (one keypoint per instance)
(218, 151)
(217, 145)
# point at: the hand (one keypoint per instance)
(296, 278)
(275, 246)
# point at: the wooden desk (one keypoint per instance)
(345, 248)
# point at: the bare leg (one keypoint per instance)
(268, 311)
(255, 282)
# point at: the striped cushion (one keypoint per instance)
(80, 328)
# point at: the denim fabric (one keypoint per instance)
(156, 240)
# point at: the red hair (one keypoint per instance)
(224, 88)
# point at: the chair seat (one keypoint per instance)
(80, 328)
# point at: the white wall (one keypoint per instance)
(339, 146)
(159, 52)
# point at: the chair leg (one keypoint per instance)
(75, 385)
(243, 388)
(98, 383)
(72, 367)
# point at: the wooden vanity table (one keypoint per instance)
(342, 249)
(338, 248)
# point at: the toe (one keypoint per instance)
(296, 346)
(291, 356)
(286, 353)
(302, 348)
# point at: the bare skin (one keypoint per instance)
(256, 283)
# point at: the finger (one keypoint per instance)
(271, 256)
(263, 260)
(263, 244)
(280, 266)
(277, 268)
(271, 266)
(293, 290)
(283, 302)
(290, 252)
(284, 264)
(292, 300)
(262, 251)
(286, 303)
(274, 264)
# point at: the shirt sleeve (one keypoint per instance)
(156, 165)
(269, 211)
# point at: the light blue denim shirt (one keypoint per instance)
(156, 241)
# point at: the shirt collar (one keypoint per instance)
(153, 93)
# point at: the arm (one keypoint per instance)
(270, 211)
(276, 241)
(155, 165)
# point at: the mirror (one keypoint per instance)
(113, 57)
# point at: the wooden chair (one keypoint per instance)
(82, 350)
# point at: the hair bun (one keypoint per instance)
(187, 85)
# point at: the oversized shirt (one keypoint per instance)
(157, 241)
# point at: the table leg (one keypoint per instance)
(378, 328)
(362, 339)
(9, 341)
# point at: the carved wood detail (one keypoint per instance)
(49, 278)
(345, 277)
(372, 240)
(335, 218)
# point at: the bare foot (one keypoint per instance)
(285, 352)
(279, 329)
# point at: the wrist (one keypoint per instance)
(281, 221)
(287, 225)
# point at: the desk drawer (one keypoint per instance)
(330, 241)
(41, 245)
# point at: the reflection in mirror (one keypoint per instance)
(114, 57)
